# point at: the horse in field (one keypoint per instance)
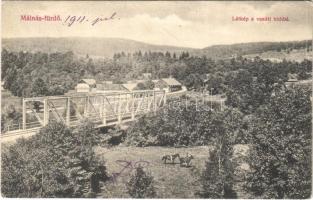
(171, 158)
(185, 161)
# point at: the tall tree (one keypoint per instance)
(217, 178)
(281, 155)
(39, 88)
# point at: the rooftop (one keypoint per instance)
(171, 81)
(130, 86)
(82, 86)
(89, 81)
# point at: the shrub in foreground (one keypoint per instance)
(141, 185)
(56, 162)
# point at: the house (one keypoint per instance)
(107, 82)
(169, 84)
(86, 85)
(130, 86)
(82, 88)
(147, 76)
(90, 82)
(109, 86)
(307, 82)
(90, 85)
(206, 77)
(136, 81)
(292, 79)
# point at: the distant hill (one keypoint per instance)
(228, 51)
(106, 47)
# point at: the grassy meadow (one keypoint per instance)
(171, 180)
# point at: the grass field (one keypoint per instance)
(171, 180)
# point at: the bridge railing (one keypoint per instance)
(18, 127)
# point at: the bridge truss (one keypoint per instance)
(102, 109)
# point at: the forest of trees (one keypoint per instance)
(40, 74)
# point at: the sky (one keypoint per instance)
(182, 23)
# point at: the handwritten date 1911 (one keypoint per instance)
(72, 19)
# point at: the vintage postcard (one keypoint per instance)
(156, 99)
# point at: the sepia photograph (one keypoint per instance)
(156, 99)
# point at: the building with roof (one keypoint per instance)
(90, 85)
(107, 82)
(147, 75)
(136, 81)
(82, 88)
(168, 84)
(292, 79)
(130, 86)
(307, 82)
(90, 82)
(107, 86)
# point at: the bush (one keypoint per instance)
(141, 185)
(56, 162)
(181, 126)
(117, 135)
